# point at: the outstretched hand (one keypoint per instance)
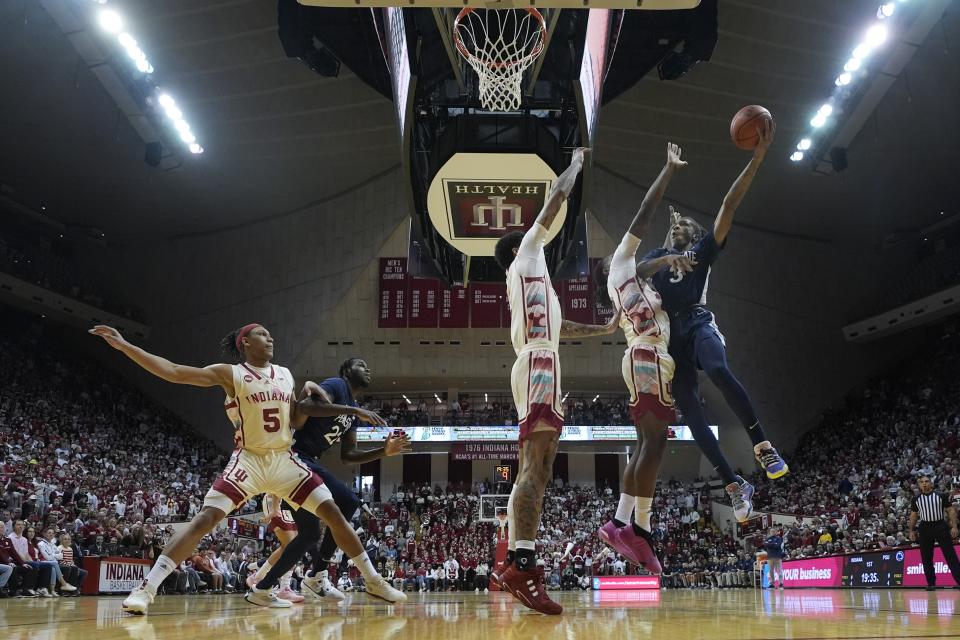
(766, 138)
(396, 445)
(673, 157)
(370, 417)
(111, 335)
(674, 216)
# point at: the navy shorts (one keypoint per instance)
(688, 329)
(344, 497)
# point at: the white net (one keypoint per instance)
(500, 44)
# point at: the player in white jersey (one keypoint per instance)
(647, 370)
(535, 330)
(261, 400)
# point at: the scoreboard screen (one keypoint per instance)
(246, 529)
(884, 569)
(503, 473)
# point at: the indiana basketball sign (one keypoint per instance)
(477, 197)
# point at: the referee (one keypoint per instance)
(931, 509)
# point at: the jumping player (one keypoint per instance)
(696, 342)
(535, 330)
(311, 441)
(263, 461)
(647, 370)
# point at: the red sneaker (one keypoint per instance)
(638, 548)
(497, 576)
(529, 589)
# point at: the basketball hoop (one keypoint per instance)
(500, 45)
(502, 518)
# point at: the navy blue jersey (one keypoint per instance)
(774, 546)
(319, 434)
(687, 289)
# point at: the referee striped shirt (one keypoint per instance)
(932, 507)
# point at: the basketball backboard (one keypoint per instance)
(648, 5)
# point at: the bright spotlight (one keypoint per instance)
(143, 66)
(797, 156)
(188, 137)
(804, 144)
(886, 10)
(195, 148)
(181, 125)
(818, 121)
(126, 41)
(173, 113)
(862, 50)
(876, 35)
(165, 100)
(110, 21)
(852, 64)
(843, 79)
(826, 111)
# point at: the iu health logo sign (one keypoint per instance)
(488, 209)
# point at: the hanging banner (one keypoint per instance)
(484, 451)
(393, 290)
(423, 295)
(576, 300)
(487, 300)
(454, 308)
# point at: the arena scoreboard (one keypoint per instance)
(883, 569)
(503, 473)
(246, 529)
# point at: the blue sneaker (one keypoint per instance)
(741, 495)
(771, 462)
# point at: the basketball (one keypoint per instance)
(745, 126)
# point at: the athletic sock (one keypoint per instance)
(163, 568)
(726, 473)
(624, 509)
(526, 555)
(366, 567)
(757, 436)
(263, 570)
(285, 580)
(642, 515)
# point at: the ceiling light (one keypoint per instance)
(173, 112)
(188, 137)
(862, 50)
(110, 21)
(797, 156)
(852, 64)
(843, 79)
(886, 10)
(165, 100)
(143, 66)
(818, 121)
(197, 149)
(181, 125)
(825, 111)
(804, 144)
(126, 41)
(876, 34)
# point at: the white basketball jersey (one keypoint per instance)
(534, 306)
(260, 410)
(643, 317)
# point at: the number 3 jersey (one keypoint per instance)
(319, 434)
(260, 410)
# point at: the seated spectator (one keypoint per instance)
(70, 554)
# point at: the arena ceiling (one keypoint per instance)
(278, 137)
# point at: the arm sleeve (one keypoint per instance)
(623, 263)
(531, 247)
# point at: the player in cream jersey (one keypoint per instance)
(260, 402)
(647, 371)
(536, 327)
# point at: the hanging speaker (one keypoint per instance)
(152, 153)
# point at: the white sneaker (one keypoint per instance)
(266, 599)
(321, 588)
(43, 593)
(68, 587)
(138, 600)
(381, 589)
(741, 496)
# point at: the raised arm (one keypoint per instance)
(561, 189)
(570, 329)
(394, 445)
(721, 226)
(214, 375)
(643, 218)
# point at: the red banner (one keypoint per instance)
(484, 451)
(601, 314)
(454, 308)
(576, 300)
(423, 297)
(486, 302)
(393, 293)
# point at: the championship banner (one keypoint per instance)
(122, 575)
(393, 289)
(601, 314)
(485, 451)
(454, 308)
(423, 300)
(576, 300)
(605, 583)
(487, 300)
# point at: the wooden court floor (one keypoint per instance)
(671, 615)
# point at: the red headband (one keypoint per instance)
(246, 329)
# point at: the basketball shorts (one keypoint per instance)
(648, 371)
(535, 380)
(281, 473)
(688, 330)
(284, 521)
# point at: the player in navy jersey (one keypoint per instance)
(695, 340)
(316, 436)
